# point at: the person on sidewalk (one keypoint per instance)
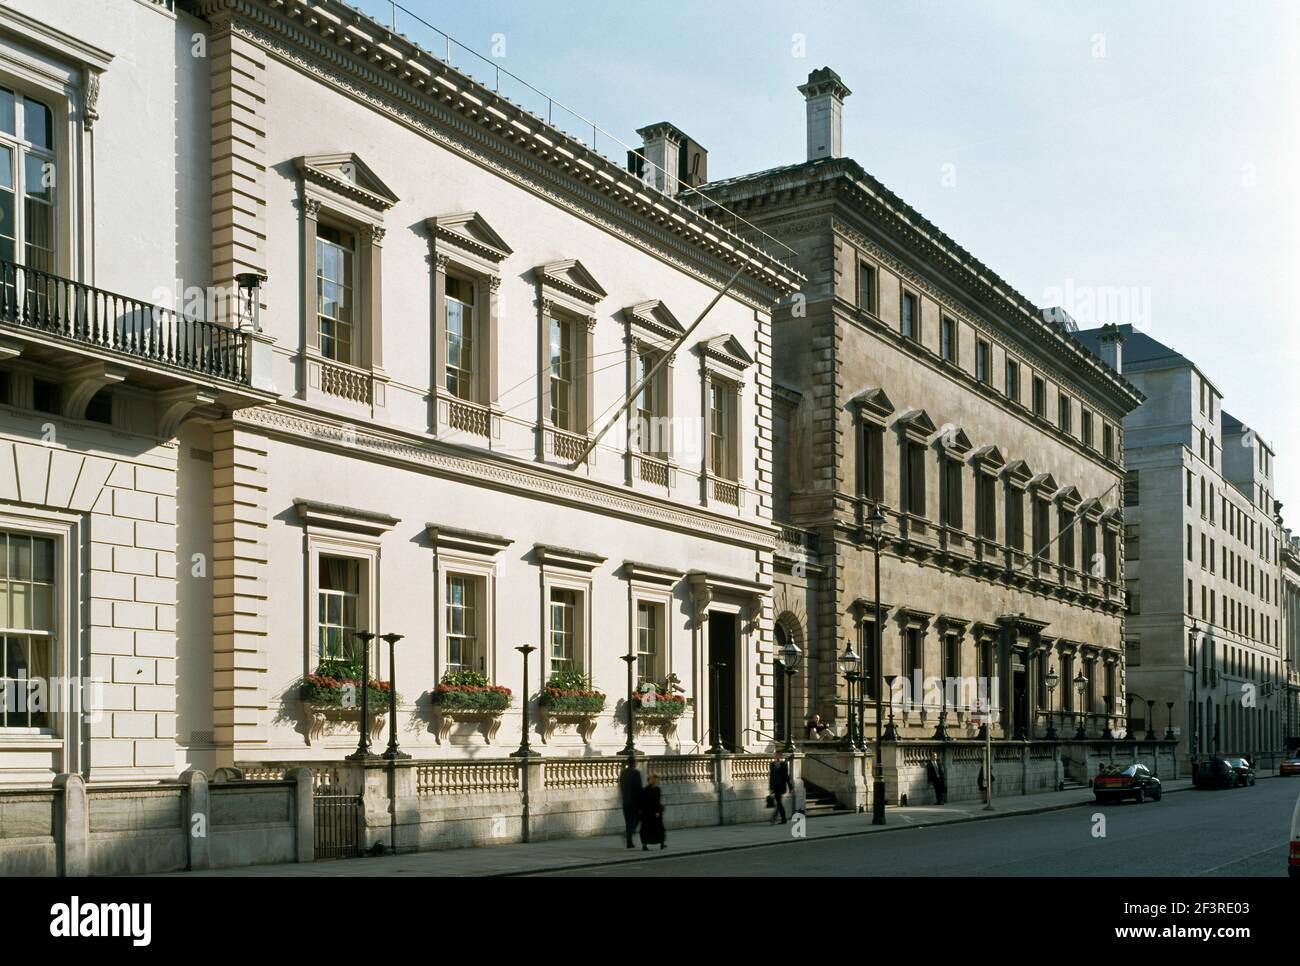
(652, 816)
(983, 785)
(778, 783)
(934, 772)
(629, 786)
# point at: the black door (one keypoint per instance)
(722, 693)
(1020, 684)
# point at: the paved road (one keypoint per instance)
(1240, 832)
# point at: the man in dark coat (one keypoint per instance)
(778, 783)
(629, 786)
(652, 816)
(934, 772)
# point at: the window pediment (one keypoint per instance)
(989, 459)
(466, 541)
(651, 573)
(346, 176)
(874, 402)
(1045, 484)
(328, 516)
(570, 277)
(468, 232)
(915, 617)
(564, 558)
(654, 320)
(917, 424)
(954, 440)
(1090, 508)
(725, 351)
(1018, 473)
(1068, 496)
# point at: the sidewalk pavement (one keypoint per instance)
(606, 850)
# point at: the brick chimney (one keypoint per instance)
(1111, 341)
(824, 94)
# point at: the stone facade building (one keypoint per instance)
(912, 379)
(1291, 637)
(1204, 549)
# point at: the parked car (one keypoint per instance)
(1290, 767)
(1214, 773)
(1244, 769)
(1293, 857)
(1135, 781)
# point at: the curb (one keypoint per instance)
(870, 830)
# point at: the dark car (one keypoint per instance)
(1290, 767)
(1244, 769)
(1214, 773)
(1135, 781)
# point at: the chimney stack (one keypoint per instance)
(675, 159)
(825, 94)
(1111, 340)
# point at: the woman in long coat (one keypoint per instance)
(652, 816)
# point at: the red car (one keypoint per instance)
(1290, 767)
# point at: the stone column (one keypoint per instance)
(73, 832)
(197, 819)
(304, 814)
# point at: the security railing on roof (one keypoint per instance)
(55, 306)
(580, 128)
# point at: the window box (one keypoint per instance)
(466, 696)
(568, 698)
(331, 698)
(659, 711)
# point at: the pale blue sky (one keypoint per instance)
(1134, 161)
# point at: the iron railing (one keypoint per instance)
(337, 825)
(57, 306)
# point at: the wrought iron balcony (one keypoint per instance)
(51, 306)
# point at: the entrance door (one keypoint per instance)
(778, 666)
(1020, 686)
(722, 682)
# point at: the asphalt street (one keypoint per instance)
(1236, 832)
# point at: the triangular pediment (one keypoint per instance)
(470, 231)
(1068, 495)
(989, 457)
(875, 401)
(954, 439)
(1045, 482)
(346, 174)
(727, 349)
(917, 422)
(1019, 471)
(654, 317)
(571, 277)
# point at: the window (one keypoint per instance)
(1107, 441)
(561, 342)
(1015, 518)
(338, 598)
(649, 434)
(722, 459)
(948, 340)
(1065, 542)
(1189, 544)
(1013, 381)
(1063, 421)
(1040, 397)
(460, 337)
(335, 284)
(1132, 487)
(982, 361)
(27, 181)
(986, 512)
(913, 478)
(911, 318)
(27, 626)
(1042, 526)
(950, 495)
(951, 655)
(46, 396)
(463, 652)
(867, 287)
(915, 655)
(565, 653)
(873, 461)
(1189, 487)
(647, 643)
(1132, 541)
(1085, 427)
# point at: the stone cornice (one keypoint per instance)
(329, 516)
(483, 468)
(340, 46)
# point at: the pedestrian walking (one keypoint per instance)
(938, 779)
(778, 783)
(629, 786)
(983, 785)
(652, 816)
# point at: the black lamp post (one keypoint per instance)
(249, 284)
(363, 752)
(524, 750)
(1052, 680)
(1196, 698)
(715, 712)
(1106, 719)
(1151, 720)
(891, 733)
(630, 747)
(1169, 726)
(849, 668)
(392, 754)
(790, 657)
(876, 527)
(1080, 685)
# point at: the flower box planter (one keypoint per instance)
(661, 715)
(578, 707)
(324, 720)
(584, 721)
(332, 698)
(466, 696)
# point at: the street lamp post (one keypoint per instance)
(1169, 721)
(524, 752)
(1053, 679)
(1080, 685)
(630, 748)
(1151, 720)
(1196, 699)
(392, 754)
(1106, 719)
(849, 668)
(891, 733)
(790, 655)
(363, 752)
(876, 526)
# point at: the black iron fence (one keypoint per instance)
(338, 825)
(90, 316)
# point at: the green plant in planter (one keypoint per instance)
(571, 692)
(659, 704)
(470, 691)
(337, 683)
